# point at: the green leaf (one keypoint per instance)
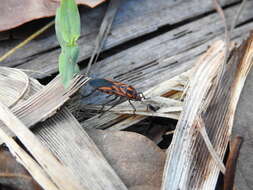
(67, 64)
(67, 23)
(67, 26)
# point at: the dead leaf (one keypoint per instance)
(30, 10)
(136, 159)
(142, 187)
(14, 175)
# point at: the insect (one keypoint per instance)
(118, 89)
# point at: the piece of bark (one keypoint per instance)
(243, 127)
(213, 95)
(235, 145)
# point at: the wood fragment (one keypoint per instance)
(229, 176)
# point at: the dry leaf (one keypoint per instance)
(136, 159)
(14, 175)
(142, 187)
(30, 10)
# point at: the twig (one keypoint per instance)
(227, 34)
(237, 15)
(170, 132)
(103, 32)
(34, 35)
(202, 129)
(231, 163)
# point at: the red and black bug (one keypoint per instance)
(118, 89)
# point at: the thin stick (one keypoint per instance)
(237, 15)
(202, 129)
(227, 34)
(103, 32)
(170, 132)
(26, 41)
(231, 163)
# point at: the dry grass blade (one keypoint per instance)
(57, 172)
(103, 32)
(35, 109)
(15, 81)
(64, 136)
(167, 107)
(178, 164)
(118, 122)
(214, 97)
(26, 41)
(202, 129)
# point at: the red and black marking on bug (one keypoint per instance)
(119, 90)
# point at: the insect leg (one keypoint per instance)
(103, 105)
(132, 106)
(110, 107)
(121, 98)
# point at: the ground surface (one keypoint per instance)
(149, 43)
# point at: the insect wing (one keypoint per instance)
(97, 83)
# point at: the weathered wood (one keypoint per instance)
(165, 56)
(42, 55)
(34, 109)
(234, 150)
(118, 122)
(64, 136)
(213, 96)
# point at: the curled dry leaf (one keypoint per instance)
(136, 159)
(13, 13)
(13, 175)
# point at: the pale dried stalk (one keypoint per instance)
(178, 161)
(63, 135)
(57, 172)
(123, 122)
(26, 41)
(35, 109)
(189, 164)
(27, 161)
(202, 129)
